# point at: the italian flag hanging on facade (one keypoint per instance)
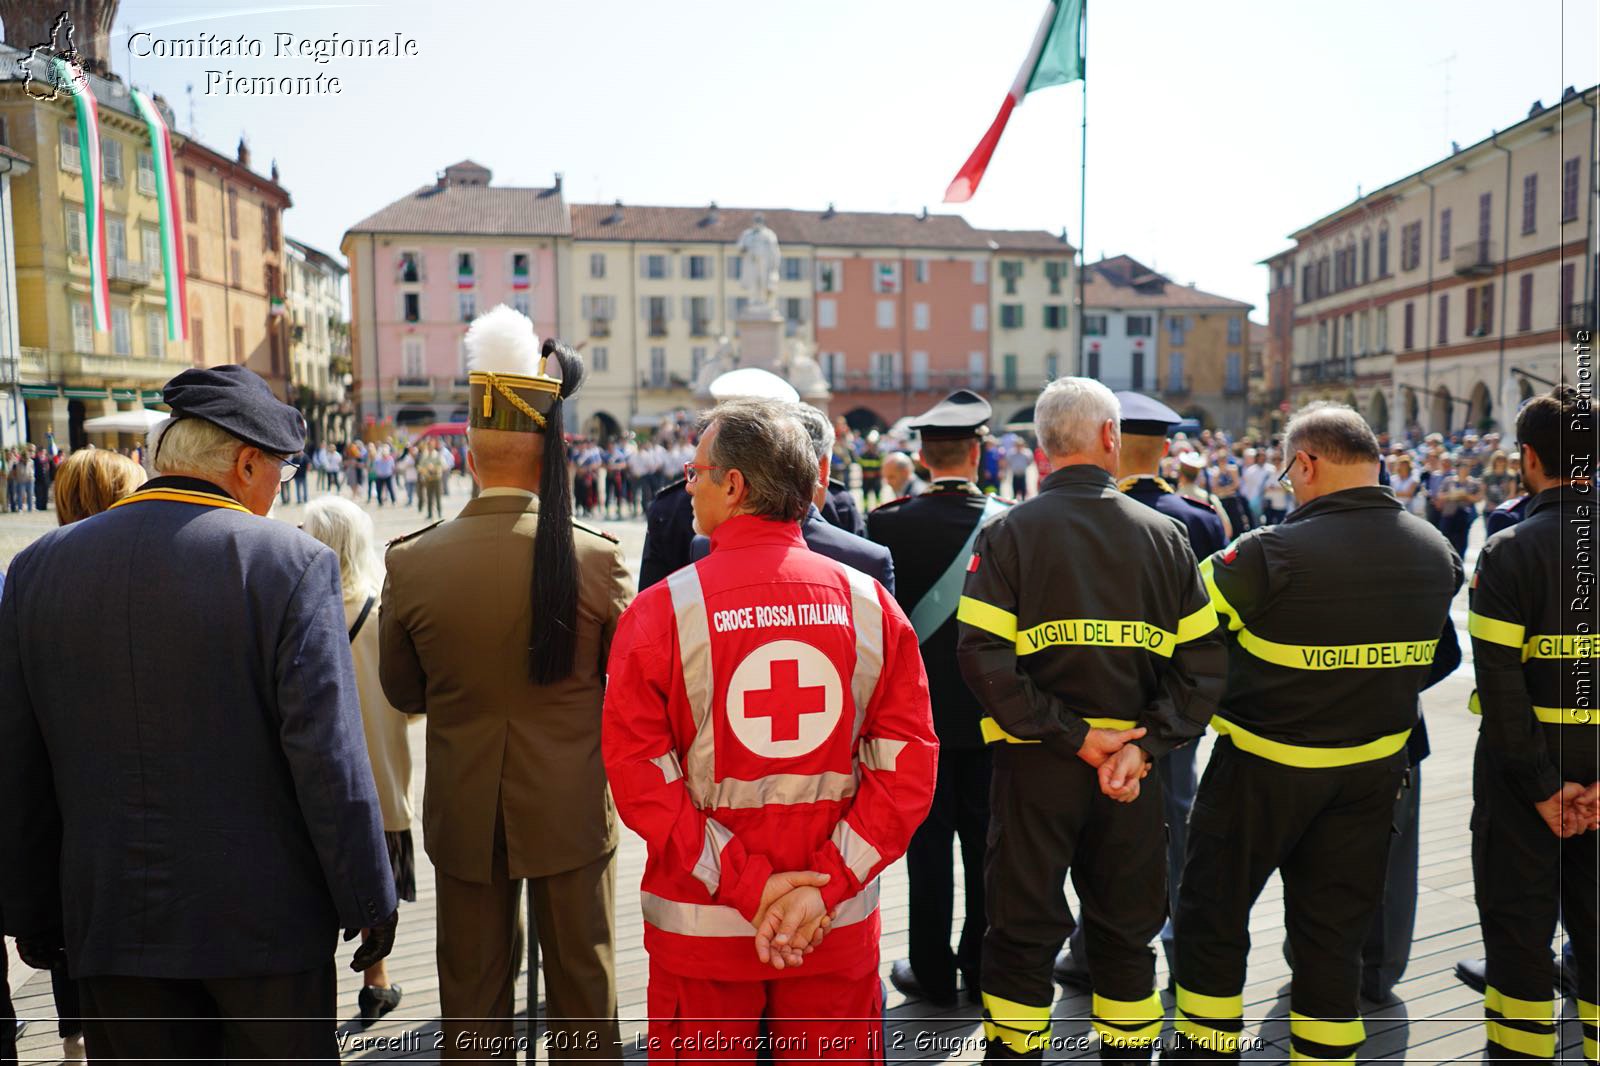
(94, 212)
(172, 264)
(1055, 58)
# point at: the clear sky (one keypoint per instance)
(1215, 129)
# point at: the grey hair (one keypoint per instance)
(1331, 431)
(348, 530)
(900, 461)
(817, 427)
(196, 447)
(1069, 413)
(763, 441)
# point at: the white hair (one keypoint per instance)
(193, 446)
(1069, 413)
(348, 530)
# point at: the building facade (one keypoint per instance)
(1441, 301)
(1145, 332)
(13, 421)
(233, 236)
(1032, 328)
(424, 266)
(319, 340)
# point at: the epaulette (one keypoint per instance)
(835, 485)
(597, 532)
(415, 533)
(1511, 504)
(1202, 504)
(681, 483)
(890, 503)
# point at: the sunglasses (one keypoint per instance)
(1283, 478)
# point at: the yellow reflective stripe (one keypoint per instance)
(1309, 757)
(1214, 1040)
(1495, 631)
(1116, 1036)
(1021, 1027)
(201, 499)
(1111, 723)
(1333, 1034)
(1564, 646)
(1538, 1045)
(1131, 1010)
(1340, 656)
(1002, 624)
(1566, 715)
(1197, 625)
(992, 732)
(1522, 1010)
(1587, 1012)
(1219, 602)
(1473, 703)
(1097, 632)
(1591, 1049)
(1218, 1007)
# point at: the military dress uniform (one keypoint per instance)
(1084, 609)
(931, 537)
(1328, 649)
(668, 533)
(839, 509)
(1531, 644)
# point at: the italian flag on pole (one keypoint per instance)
(171, 227)
(1054, 58)
(94, 212)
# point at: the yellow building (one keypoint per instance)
(70, 371)
(1033, 285)
(1442, 300)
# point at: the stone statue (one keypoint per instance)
(758, 247)
(803, 372)
(725, 359)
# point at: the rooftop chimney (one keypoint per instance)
(924, 216)
(274, 172)
(830, 212)
(711, 214)
(1538, 106)
(244, 153)
(558, 181)
(616, 214)
(1569, 93)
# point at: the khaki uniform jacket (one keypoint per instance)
(454, 633)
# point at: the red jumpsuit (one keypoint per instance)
(766, 711)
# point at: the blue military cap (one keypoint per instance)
(1144, 417)
(237, 400)
(961, 414)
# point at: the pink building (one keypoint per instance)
(423, 267)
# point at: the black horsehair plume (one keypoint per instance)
(554, 637)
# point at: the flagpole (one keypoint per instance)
(1083, 185)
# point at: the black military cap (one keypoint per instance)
(961, 414)
(1144, 417)
(239, 401)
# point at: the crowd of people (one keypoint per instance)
(782, 710)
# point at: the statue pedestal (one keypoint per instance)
(761, 339)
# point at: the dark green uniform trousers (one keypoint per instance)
(1048, 817)
(1326, 830)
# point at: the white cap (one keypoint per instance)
(752, 383)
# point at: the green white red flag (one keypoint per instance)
(94, 212)
(1054, 58)
(172, 264)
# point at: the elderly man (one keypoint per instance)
(189, 809)
(822, 536)
(1088, 639)
(767, 731)
(496, 625)
(900, 474)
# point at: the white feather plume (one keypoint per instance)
(502, 340)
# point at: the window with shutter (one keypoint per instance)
(1571, 180)
(1525, 302)
(885, 314)
(1444, 233)
(1410, 327)
(1472, 313)
(1444, 318)
(1530, 201)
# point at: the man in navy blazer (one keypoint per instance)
(821, 536)
(185, 796)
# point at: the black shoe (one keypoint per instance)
(901, 977)
(1070, 973)
(375, 1002)
(1470, 972)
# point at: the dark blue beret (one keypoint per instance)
(1144, 417)
(239, 401)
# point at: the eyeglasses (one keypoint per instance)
(288, 470)
(1283, 478)
(691, 471)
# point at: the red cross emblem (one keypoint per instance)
(784, 699)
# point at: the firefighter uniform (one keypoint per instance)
(1084, 609)
(931, 537)
(766, 711)
(1532, 642)
(1328, 647)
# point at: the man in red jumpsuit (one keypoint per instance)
(767, 731)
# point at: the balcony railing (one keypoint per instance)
(1474, 258)
(599, 327)
(1579, 316)
(657, 382)
(413, 388)
(658, 327)
(127, 271)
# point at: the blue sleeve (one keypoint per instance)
(321, 734)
